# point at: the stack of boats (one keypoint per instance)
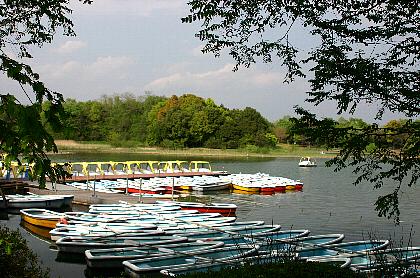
(155, 187)
(164, 237)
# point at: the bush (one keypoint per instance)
(16, 259)
(287, 269)
(172, 144)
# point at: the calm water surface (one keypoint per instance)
(329, 203)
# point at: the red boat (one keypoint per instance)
(223, 209)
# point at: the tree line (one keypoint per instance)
(175, 122)
(186, 121)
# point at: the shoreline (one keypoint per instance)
(282, 150)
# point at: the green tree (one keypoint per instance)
(24, 24)
(363, 51)
(282, 129)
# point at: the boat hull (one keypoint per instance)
(246, 188)
(41, 218)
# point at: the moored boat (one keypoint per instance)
(95, 231)
(383, 258)
(81, 244)
(298, 243)
(41, 217)
(137, 268)
(343, 249)
(113, 257)
(257, 238)
(245, 231)
(223, 209)
(200, 267)
(29, 201)
(211, 187)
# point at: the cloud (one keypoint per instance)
(109, 66)
(222, 77)
(70, 47)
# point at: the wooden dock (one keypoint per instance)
(142, 176)
(88, 197)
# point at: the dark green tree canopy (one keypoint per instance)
(362, 52)
(24, 24)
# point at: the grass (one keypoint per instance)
(281, 150)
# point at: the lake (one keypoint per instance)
(329, 203)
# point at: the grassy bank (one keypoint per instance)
(282, 150)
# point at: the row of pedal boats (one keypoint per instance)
(177, 241)
(253, 183)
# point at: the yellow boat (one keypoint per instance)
(247, 188)
(42, 217)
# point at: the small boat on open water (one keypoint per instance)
(307, 162)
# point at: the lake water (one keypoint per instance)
(329, 203)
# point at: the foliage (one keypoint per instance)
(24, 24)
(288, 269)
(191, 121)
(177, 122)
(360, 52)
(16, 259)
(117, 119)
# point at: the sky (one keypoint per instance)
(138, 46)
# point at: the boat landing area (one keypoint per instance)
(87, 197)
(141, 176)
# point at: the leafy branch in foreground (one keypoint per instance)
(369, 150)
(355, 52)
(23, 136)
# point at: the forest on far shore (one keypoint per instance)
(184, 121)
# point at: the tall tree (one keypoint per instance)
(24, 24)
(363, 51)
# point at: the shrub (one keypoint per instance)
(287, 269)
(16, 258)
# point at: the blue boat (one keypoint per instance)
(137, 268)
(291, 245)
(343, 249)
(383, 258)
(113, 257)
(258, 238)
(220, 231)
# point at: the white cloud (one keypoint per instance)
(109, 66)
(70, 47)
(222, 77)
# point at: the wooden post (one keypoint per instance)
(140, 193)
(173, 185)
(5, 201)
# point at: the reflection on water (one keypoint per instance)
(72, 258)
(43, 233)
